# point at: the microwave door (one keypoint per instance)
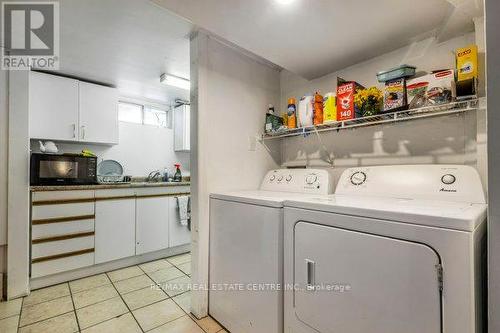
(60, 170)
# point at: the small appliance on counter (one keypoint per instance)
(64, 169)
(48, 148)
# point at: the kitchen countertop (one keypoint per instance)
(105, 186)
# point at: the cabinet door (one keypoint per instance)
(182, 124)
(53, 107)
(179, 234)
(114, 229)
(152, 224)
(98, 114)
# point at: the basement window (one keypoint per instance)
(145, 114)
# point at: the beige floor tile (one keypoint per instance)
(179, 259)
(122, 324)
(184, 301)
(142, 297)
(185, 267)
(157, 314)
(125, 273)
(89, 283)
(132, 284)
(177, 286)
(208, 324)
(45, 310)
(182, 325)
(166, 274)
(10, 308)
(97, 313)
(46, 294)
(65, 323)
(9, 325)
(154, 266)
(94, 295)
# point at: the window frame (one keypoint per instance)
(145, 107)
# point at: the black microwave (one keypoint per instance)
(66, 169)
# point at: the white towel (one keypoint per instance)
(182, 205)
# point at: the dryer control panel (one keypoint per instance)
(458, 183)
(313, 181)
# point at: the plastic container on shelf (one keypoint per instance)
(396, 73)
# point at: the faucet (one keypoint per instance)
(154, 176)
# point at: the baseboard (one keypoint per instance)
(51, 280)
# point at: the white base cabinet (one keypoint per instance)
(114, 229)
(152, 217)
(178, 234)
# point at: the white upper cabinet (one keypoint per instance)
(53, 107)
(98, 114)
(71, 110)
(182, 125)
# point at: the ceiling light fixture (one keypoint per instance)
(175, 81)
(284, 2)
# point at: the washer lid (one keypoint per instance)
(443, 214)
(260, 197)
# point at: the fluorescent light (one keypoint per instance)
(284, 2)
(175, 81)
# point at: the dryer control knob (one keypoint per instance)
(448, 179)
(288, 178)
(273, 177)
(358, 178)
(311, 179)
(280, 178)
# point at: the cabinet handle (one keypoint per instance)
(74, 131)
(311, 274)
(83, 132)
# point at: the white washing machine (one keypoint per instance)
(396, 249)
(246, 249)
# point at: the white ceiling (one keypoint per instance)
(316, 37)
(126, 43)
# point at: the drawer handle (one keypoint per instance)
(62, 255)
(63, 219)
(62, 237)
(311, 274)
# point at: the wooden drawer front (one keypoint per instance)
(48, 249)
(49, 267)
(62, 210)
(61, 228)
(171, 190)
(61, 195)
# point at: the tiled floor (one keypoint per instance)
(122, 301)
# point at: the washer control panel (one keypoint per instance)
(314, 181)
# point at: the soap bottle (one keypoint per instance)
(292, 113)
(178, 174)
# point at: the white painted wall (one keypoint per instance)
(229, 95)
(454, 139)
(18, 195)
(141, 149)
(492, 91)
(4, 140)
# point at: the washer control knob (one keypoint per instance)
(280, 178)
(448, 179)
(311, 179)
(358, 178)
(288, 178)
(272, 178)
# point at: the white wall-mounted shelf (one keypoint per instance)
(380, 119)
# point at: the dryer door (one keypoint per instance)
(355, 282)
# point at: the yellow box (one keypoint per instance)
(329, 108)
(466, 59)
